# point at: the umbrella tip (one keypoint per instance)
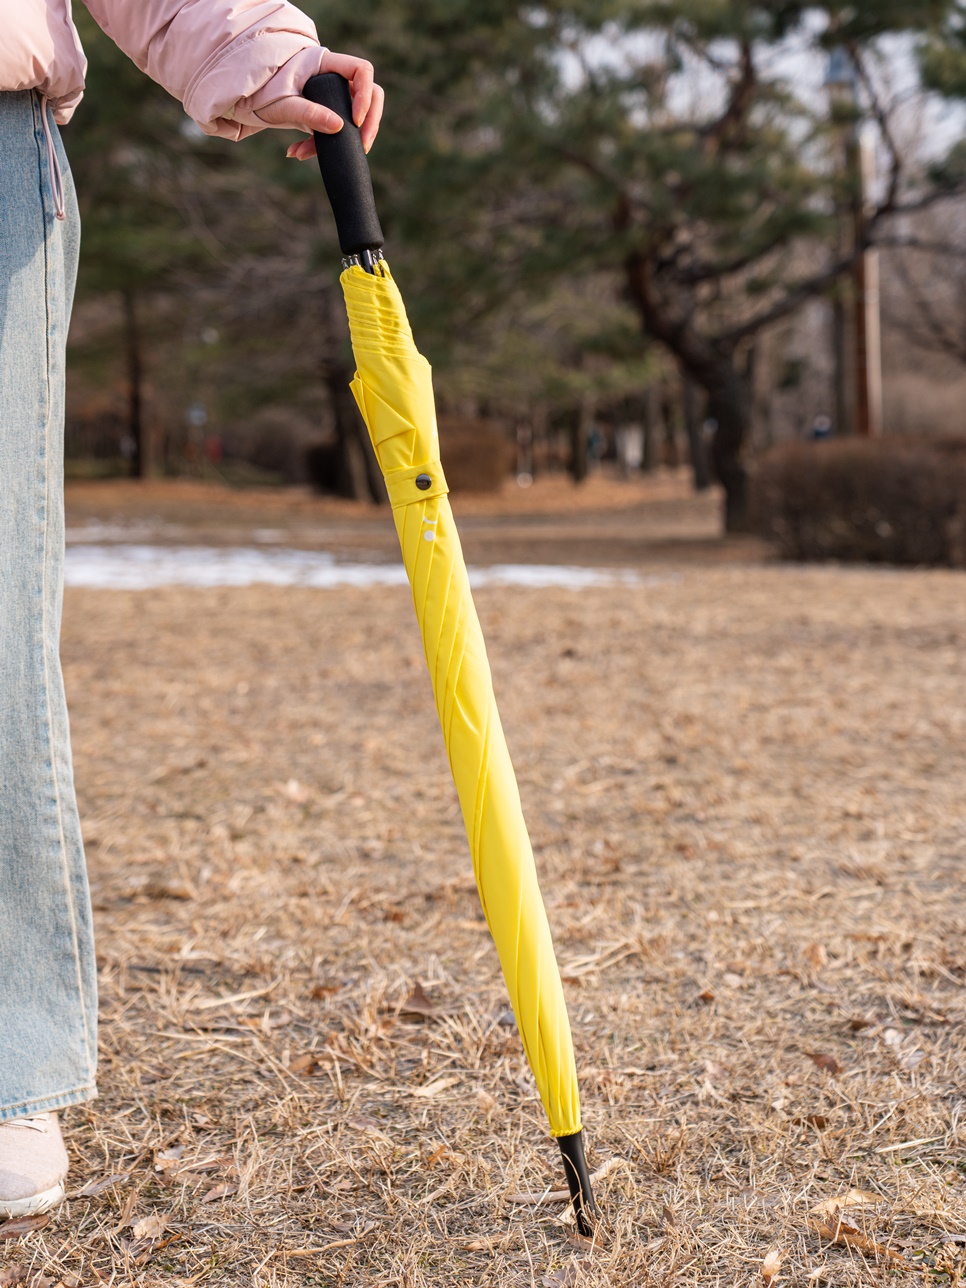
(578, 1181)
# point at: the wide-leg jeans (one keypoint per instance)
(48, 1003)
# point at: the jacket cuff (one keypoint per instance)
(260, 70)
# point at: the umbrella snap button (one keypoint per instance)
(423, 481)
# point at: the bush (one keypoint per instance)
(476, 454)
(888, 500)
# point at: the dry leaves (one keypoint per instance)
(772, 1264)
(565, 1277)
(851, 1198)
(306, 1064)
(25, 1276)
(219, 1192)
(827, 1063)
(560, 1196)
(437, 1086)
(167, 1160)
(150, 1227)
(21, 1225)
(847, 1236)
(94, 1188)
(419, 1004)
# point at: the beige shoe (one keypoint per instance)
(33, 1165)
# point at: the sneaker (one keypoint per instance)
(33, 1165)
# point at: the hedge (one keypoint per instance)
(887, 500)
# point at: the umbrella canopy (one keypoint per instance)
(393, 388)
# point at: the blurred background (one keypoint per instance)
(718, 240)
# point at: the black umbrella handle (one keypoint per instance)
(345, 173)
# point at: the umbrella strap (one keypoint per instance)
(417, 483)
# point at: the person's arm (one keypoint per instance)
(239, 65)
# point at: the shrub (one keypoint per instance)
(887, 500)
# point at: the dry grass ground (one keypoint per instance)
(606, 520)
(745, 788)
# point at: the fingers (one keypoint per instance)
(297, 113)
(359, 74)
(304, 150)
(370, 126)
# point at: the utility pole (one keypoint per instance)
(868, 335)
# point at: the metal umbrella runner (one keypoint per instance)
(393, 388)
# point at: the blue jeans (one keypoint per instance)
(48, 1002)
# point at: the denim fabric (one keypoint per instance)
(47, 975)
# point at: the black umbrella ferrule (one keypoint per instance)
(578, 1182)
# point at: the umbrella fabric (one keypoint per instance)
(393, 387)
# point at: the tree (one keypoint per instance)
(127, 150)
(681, 149)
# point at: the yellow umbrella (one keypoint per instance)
(393, 388)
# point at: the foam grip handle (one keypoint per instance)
(345, 170)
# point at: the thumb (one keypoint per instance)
(297, 113)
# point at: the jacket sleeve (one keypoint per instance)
(223, 59)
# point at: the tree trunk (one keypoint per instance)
(579, 437)
(140, 456)
(359, 476)
(695, 431)
(729, 406)
(712, 367)
(650, 417)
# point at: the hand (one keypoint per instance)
(297, 113)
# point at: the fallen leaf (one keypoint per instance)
(323, 990)
(434, 1088)
(818, 1121)
(150, 1227)
(21, 1225)
(485, 1102)
(23, 1275)
(219, 1192)
(774, 1259)
(858, 1023)
(168, 1160)
(827, 1063)
(565, 1277)
(93, 1188)
(306, 1064)
(817, 955)
(161, 889)
(215, 1164)
(851, 1198)
(561, 1196)
(848, 1236)
(418, 1003)
(580, 1241)
(667, 1216)
(707, 997)
(127, 1211)
(533, 1199)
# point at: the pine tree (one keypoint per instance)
(679, 148)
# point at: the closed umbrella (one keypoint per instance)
(393, 388)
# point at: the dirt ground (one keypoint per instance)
(745, 790)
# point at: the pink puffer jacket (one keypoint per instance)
(223, 59)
